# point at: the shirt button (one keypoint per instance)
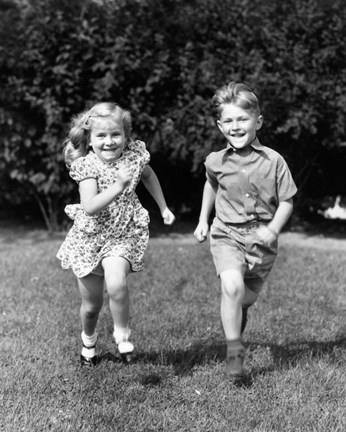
(247, 195)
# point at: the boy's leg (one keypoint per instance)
(252, 289)
(232, 294)
(116, 271)
(91, 290)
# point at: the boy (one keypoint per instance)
(252, 189)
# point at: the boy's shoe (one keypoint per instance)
(126, 351)
(243, 319)
(234, 359)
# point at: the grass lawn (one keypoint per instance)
(295, 345)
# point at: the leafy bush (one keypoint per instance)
(164, 60)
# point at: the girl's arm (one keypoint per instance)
(208, 202)
(93, 201)
(270, 232)
(153, 186)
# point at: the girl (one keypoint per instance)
(110, 231)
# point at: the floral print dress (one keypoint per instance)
(121, 229)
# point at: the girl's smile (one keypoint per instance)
(239, 126)
(108, 143)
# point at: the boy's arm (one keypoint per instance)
(208, 202)
(153, 186)
(270, 232)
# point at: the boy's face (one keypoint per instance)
(238, 126)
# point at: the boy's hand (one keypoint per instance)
(201, 232)
(266, 234)
(168, 216)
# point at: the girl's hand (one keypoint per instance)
(201, 231)
(168, 216)
(266, 234)
(124, 176)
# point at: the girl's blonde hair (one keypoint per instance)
(238, 94)
(106, 114)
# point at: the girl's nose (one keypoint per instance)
(235, 125)
(108, 139)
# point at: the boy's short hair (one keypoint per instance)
(238, 94)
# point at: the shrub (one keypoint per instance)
(163, 61)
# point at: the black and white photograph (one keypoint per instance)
(173, 216)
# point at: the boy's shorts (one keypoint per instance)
(237, 246)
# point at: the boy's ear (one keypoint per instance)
(219, 125)
(259, 122)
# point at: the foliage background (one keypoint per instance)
(163, 60)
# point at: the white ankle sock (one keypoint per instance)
(89, 342)
(121, 334)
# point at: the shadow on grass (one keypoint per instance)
(202, 353)
(290, 355)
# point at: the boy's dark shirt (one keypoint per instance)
(249, 183)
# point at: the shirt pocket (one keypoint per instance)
(264, 190)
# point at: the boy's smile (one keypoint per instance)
(239, 126)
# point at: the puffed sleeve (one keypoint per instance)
(138, 147)
(82, 168)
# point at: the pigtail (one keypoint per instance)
(77, 143)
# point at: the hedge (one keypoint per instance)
(163, 60)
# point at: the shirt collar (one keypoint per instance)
(255, 144)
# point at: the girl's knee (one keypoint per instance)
(116, 285)
(90, 310)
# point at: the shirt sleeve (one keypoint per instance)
(286, 187)
(82, 168)
(209, 172)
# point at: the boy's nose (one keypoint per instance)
(235, 125)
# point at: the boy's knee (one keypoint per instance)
(232, 284)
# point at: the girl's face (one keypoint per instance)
(108, 141)
(238, 126)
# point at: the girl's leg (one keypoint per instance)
(91, 290)
(116, 271)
